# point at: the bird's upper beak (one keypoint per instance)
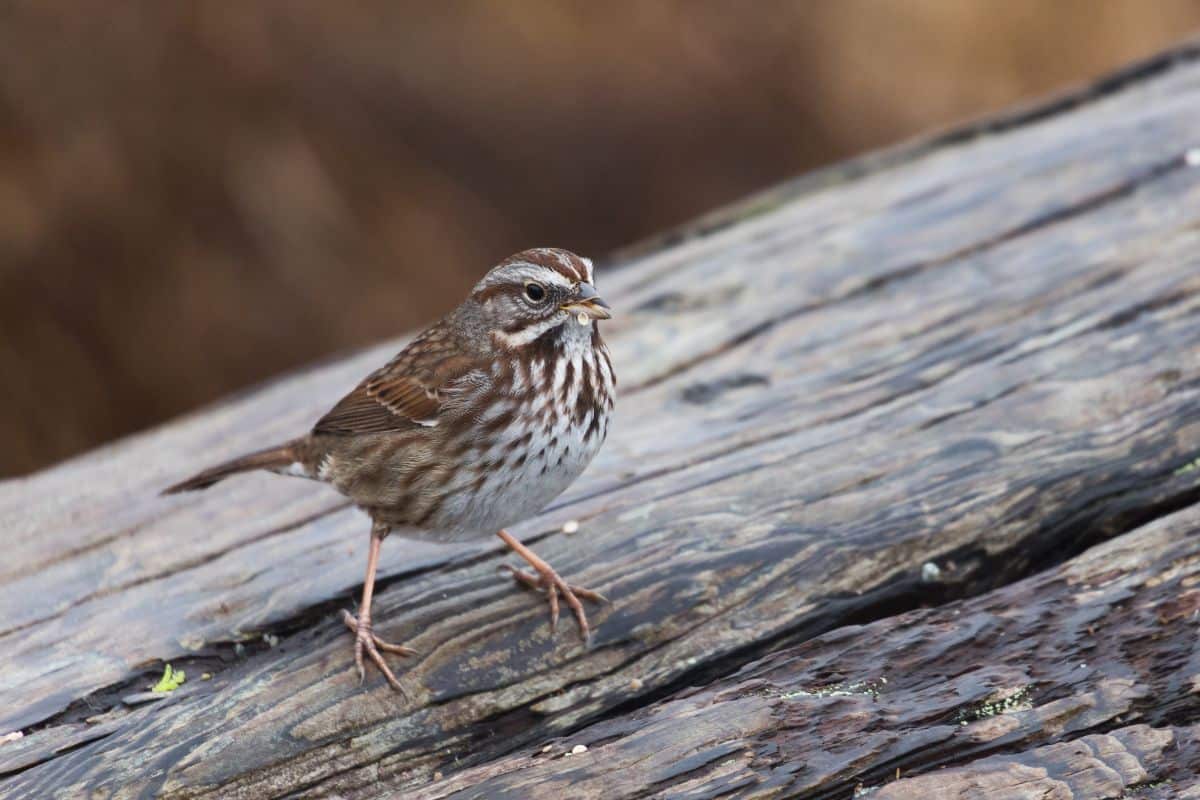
(588, 301)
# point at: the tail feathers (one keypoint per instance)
(272, 458)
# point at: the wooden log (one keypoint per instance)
(981, 354)
(1070, 684)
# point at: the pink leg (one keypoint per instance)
(549, 581)
(364, 639)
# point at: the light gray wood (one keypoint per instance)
(983, 354)
(1068, 684)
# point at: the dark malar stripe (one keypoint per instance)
(547, 347)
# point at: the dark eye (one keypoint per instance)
(535, 292)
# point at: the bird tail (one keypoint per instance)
(273, 458)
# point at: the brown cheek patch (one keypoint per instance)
(491, 292)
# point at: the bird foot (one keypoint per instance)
(365, 641)
(548, 581)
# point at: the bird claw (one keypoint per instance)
(366, 642)
(549, 581)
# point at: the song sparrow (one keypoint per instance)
(479, 423)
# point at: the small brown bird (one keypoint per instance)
(481, 421)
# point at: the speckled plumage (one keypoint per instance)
(480, 422)
(511, 433)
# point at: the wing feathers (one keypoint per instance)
(406, 393)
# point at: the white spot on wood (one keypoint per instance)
(570, 526)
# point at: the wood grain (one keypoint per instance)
(985, 356)
(1069, 684)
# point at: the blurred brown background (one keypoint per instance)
(196, 196)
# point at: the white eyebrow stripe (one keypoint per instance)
(523, 272)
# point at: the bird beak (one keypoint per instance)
(588, 302)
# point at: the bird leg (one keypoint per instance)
(549, 581)
(364, 639)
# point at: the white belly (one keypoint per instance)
(555, 457)
(536, 458)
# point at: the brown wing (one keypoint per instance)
(406, 393)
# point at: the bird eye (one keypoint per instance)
(535, 292)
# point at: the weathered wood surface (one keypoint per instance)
(1079, 682)
(983, 354)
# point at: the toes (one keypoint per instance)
(384, 668)
(388, 647)
(588, 594)
(552, 596)
(580, 616)
(358, 661)
(365, 641)
(550, 582)
(532, 581)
